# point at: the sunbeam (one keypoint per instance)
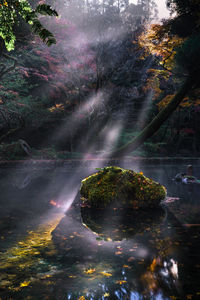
(99, 118)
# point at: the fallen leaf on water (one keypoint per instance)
(25, 283)
(81, 298)
(89, 271)
(121, 281)
(105, 295)
(153, 265)
(45, 276)
(126, 266)
(106, 274)
(118, 252)
(72, 276)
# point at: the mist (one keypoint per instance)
(90, 62)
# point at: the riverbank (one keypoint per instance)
(89, 162)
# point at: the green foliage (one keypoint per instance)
(16, 96)
(7, 22)
(11, 10)
(45, 9)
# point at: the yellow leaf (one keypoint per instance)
(25, 283)
(106, 274)
(121, 281)
(89, 271)
(126, 266)
(72, 276)
(81, 298)
(106, 295)
(153, 265)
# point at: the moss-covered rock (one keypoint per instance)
(121, 188)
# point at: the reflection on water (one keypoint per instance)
(47, 253)
(117, 224)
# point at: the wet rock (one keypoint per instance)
(117, 187)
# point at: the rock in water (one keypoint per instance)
(117, 187)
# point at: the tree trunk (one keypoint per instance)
(155, 124)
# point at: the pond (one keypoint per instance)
(52, 248)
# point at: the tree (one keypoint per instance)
(187, 62)
(12, 11)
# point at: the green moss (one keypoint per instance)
(120, 187)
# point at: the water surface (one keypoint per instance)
(46, 252)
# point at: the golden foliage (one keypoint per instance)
(153, 84)
(165, 101)
(158, 42)
(5, 4)
(57, 107)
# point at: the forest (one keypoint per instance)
(89, 77)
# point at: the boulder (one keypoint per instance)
(117, 187)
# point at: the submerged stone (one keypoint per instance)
(117, 187)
